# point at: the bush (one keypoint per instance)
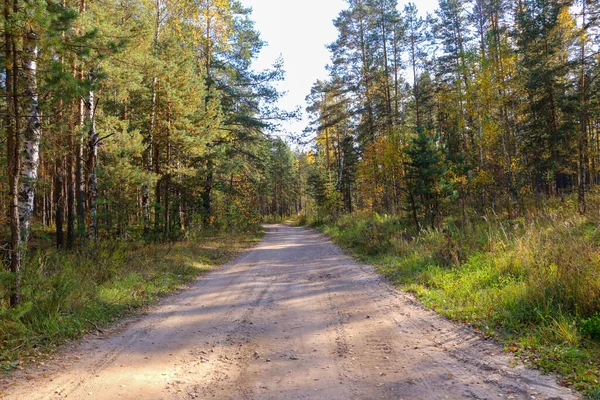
(590, 327)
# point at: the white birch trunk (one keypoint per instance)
(92, 157)
(31, 134)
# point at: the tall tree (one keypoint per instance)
(543, 29)
(415, 38)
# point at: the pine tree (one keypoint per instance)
(543, 35)
(415, 38)
(426, 180)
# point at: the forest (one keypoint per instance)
(458, 151)
(133, 118)
(485, 106)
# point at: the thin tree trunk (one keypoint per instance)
(366, 78)
(396, 80)
(157, 188)
(582, 142)
(79, 173)
(13, 146)
(150, 137)
(207, 193)
(181, 210)
(61, 167)
(59, 200)
(167, 211)
(150, 162)
(91, 160)
(70, 189)
(495, 51)
(413, 58)
(388, 94)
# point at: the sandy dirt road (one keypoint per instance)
(292, 319)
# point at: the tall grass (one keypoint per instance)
(66, 295)
(533, 283)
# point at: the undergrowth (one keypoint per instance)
(66, 295)
(533, 283)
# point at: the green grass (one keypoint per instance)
(66, 295)
(532, 283)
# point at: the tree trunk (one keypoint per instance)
(70, 190)
(79, 173)
(367, 79)
(149, 162)
(582, 140)
(13, 146)
(413, 59)
(207, 193)
(31, 133)
(157, 188)
(150, 137)
(167, 210)
(181, 209)
(59, 200)
(91, 160)
(388, 92)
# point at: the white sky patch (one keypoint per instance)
(299, 30)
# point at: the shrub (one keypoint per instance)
(590, 327)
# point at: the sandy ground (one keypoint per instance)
(292, 319)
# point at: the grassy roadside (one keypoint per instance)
(67, 295)
(533, 284)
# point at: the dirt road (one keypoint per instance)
(292, 319)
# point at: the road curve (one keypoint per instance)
(294, 318)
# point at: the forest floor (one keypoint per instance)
(294, 318)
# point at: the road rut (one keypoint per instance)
(294, 318)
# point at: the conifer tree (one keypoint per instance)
(426, 179)
(543, 33)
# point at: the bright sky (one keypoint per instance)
(299, 30)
